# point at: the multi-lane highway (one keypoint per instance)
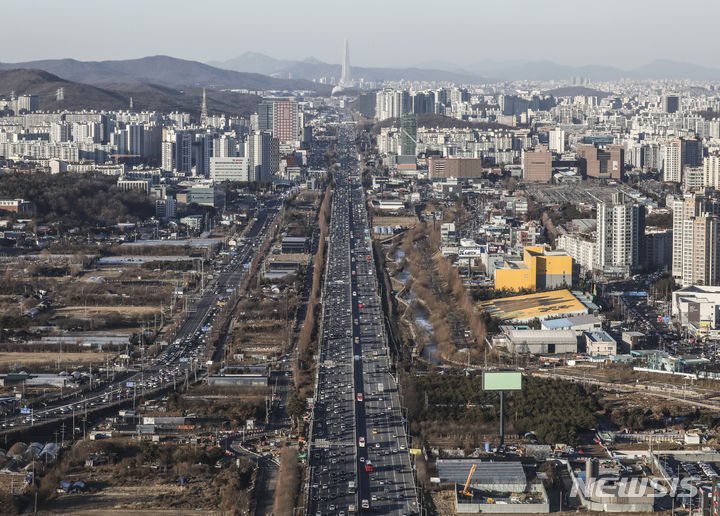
(359, 459)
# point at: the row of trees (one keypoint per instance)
(288, 482)
(307, 344)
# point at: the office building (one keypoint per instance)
(696, 240)
(366, 104)
(461, 169)
(166, 208)
(229, 169)
(259, 152)
(408, 134)
(447, 233)
(692, 152)
(537, 165)
(602, 162)
(671, 102)
(693, 178)
(285, 121)
(620, 236)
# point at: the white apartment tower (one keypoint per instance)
(672, 161)
(556, 140)
(620, 236)
(711, 172)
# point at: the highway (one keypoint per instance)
(359, 459)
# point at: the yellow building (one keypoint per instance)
(541, 267)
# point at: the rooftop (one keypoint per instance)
(599, 336)
(541, 305)
(457, 470)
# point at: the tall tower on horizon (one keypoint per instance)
(346, 77)
(203, 111)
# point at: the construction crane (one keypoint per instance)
(116, 156)
(467, 484)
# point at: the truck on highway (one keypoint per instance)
(381, 387)
(351, 487)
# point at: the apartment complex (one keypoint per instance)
(696, 240)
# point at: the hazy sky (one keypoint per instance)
(620, 33)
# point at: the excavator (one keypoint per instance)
(467, 484)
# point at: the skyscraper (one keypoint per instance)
(408, 136)
(203, 111)
(346, 78)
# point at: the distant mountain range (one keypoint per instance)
(483, 71)
(163, 71)
(116, 96)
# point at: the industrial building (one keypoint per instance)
(579, 324)
(539, 342)
(542, 305)
(294, 245)
(540, 268)
(491, 487)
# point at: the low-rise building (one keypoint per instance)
(600, 343)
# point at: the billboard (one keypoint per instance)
(496, 248)
(502, 381)
(468, 252)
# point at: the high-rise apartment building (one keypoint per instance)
(390, 103)
(408, 134)
(556, 140)
(696, 240)
(672, 161)
(620, 236)
(711, 172)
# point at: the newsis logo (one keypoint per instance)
(633, 487)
